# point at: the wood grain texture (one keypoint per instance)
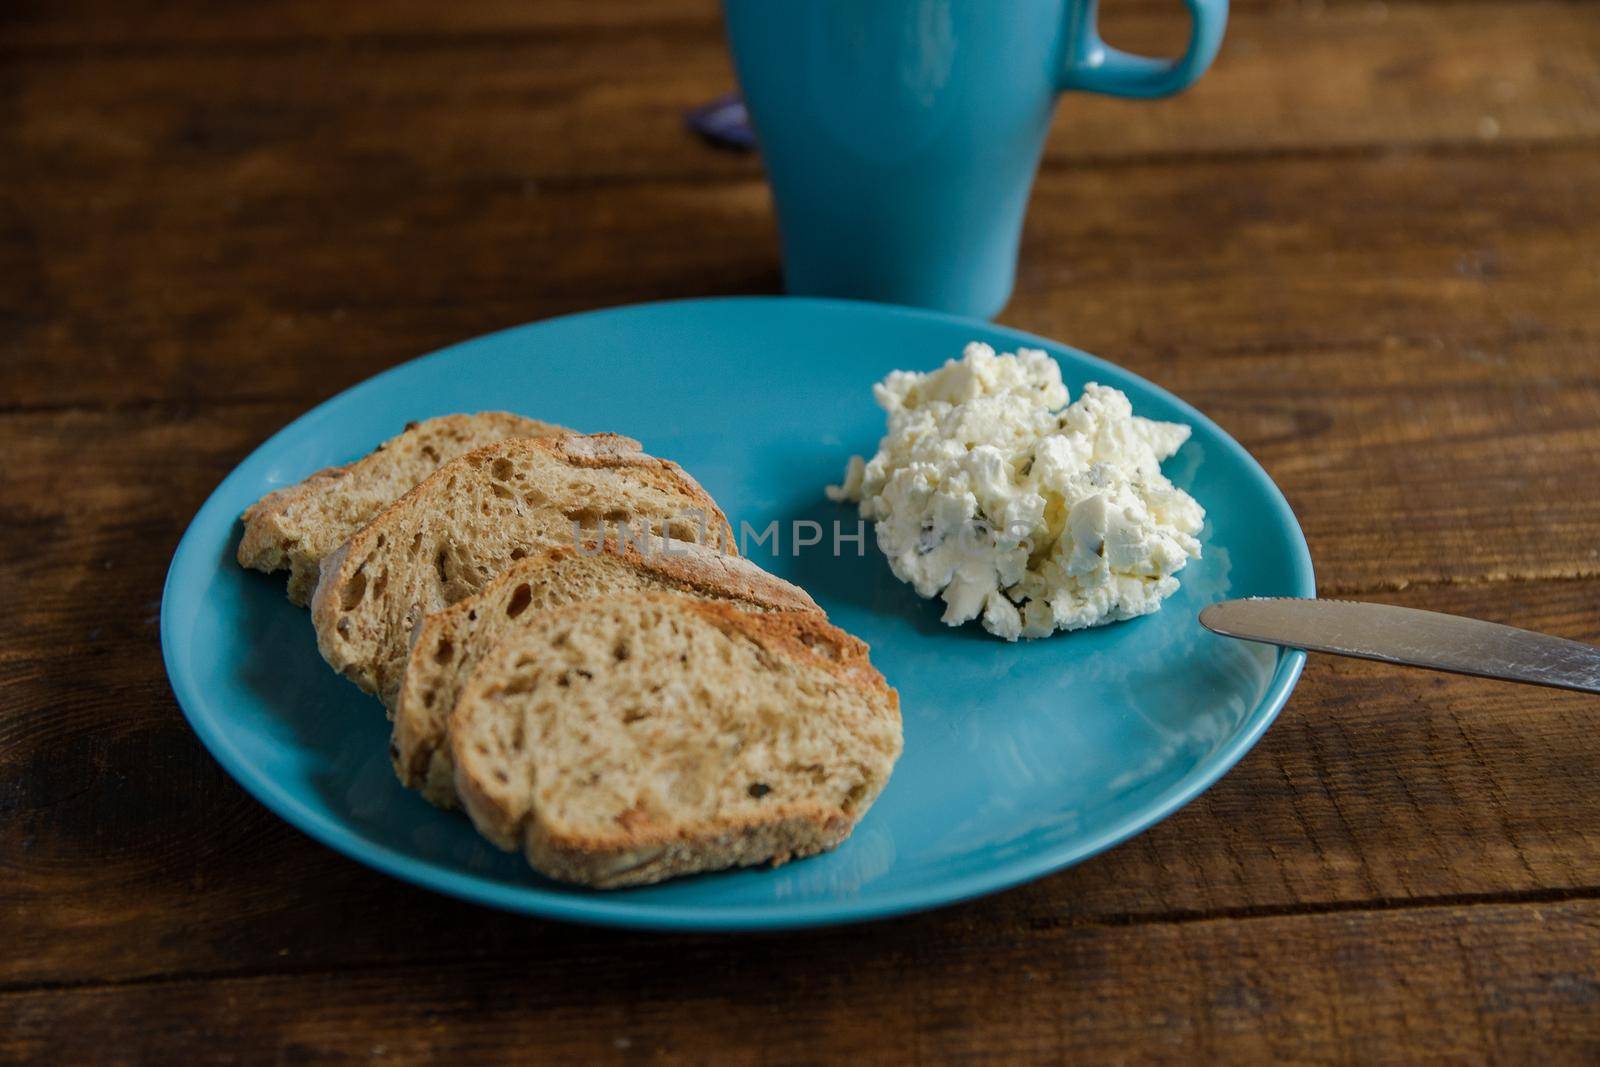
(418, 195)
(1491, 983)
(1447, 253)
(1365, 244)
(542, 101)
(85, 24)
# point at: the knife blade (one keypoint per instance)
(1410, 636)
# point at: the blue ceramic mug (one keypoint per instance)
(901, 136)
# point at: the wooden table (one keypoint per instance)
(1366, 243)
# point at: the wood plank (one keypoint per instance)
(128, 854)
(549, 104)
(1313, 253)
(1365, 244)
(1419, 463)
(99, 24)
(41, 25)
(1500, 984)
(1352, 76)
(227, 174)
(1450, 253)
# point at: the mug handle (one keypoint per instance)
(1095, 67)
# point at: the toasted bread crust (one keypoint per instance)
(719, 575)
(601, 450)
(266, 542)
(288, 529)
(419, 746)
(646, 857)
(788, 679)
(339, 569)
(807, 637)
(640, 851)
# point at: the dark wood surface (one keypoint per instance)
(1367, 243)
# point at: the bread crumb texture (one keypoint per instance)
(621, 741)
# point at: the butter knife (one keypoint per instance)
(1411, 637)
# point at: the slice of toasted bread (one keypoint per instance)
(475, 516)
(449, 643)
(629, 739)
(295, 527)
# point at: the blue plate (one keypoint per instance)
(1019, 759)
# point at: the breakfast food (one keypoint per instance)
(449, 643)
(571, 647)
(991, 491)
(625, 740)
(294, 528)
(474, 517)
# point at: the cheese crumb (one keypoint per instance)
(1035, 515)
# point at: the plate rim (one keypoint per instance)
(598, 908)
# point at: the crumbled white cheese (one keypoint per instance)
(994, 492)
